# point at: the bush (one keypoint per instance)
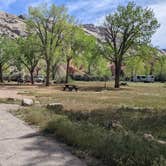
(114, 148)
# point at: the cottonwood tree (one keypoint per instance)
(91, 55)
(7, 52)
(73, 45)
(161, 58)
(141, 60)
(56, 61)
(128, 26)
(29, 53)
(48, 23)
(149, 56)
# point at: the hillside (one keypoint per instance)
(14, 26)
(11, 25)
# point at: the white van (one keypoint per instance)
(143, 78)
(150, 78)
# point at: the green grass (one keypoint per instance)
(10, 101)
(106, 124)
(89, 133)
(90, 98)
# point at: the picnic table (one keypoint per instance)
(70, 87)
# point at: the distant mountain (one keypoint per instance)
(11, 25)
(96, 31)
(164, 50)
(14, 26)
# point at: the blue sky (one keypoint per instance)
(94, 11)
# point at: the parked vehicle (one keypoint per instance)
(27, 78)
(16, 76)
(143, 78)
(39, 79)
(150, 78)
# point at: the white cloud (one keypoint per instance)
(159, 39)
(94, 11)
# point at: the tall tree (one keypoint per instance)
(129, 26)
(58, 58)
(161, 58)
(91, 54)
(29, 53)
(73, 45)
(48, 23)
(7, 51)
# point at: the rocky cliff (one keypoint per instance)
(96, 31)
(12, 25)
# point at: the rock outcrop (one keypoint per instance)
(11, 25)
(96, 31)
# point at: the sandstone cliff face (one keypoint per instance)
(11, 25)
(96, 31)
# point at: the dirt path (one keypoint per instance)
(20, 145)
(12, 92)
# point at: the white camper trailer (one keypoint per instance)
(143, 78)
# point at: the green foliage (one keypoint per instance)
(134, 66)
(127, 27)
(112, 147)
(7, 50)
(7, 54)
(29, 53)
(160, 66)
(49, 24)
(91, 57)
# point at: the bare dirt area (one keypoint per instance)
(14, 92)
(20, 145)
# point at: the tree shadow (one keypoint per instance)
(47, 152)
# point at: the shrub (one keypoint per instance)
(114, 148)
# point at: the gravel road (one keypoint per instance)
(20, 145)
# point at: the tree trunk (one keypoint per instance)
(32, 80)
(67, 70)
(53, 72)
(47, 73)
(117, 74)
(151, 69)
(89, 69)
(1, 73)
(161, 72)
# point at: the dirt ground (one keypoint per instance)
(13, 92)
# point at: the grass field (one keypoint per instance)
(108, 124)
(92, 96)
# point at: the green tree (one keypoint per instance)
(134, 66)
(29, 53)
(73, 45)
(161, 58)
(91, 54)
(57, 59)
(129, 26)
(49, 24)
(7, 51)
(149, 55)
